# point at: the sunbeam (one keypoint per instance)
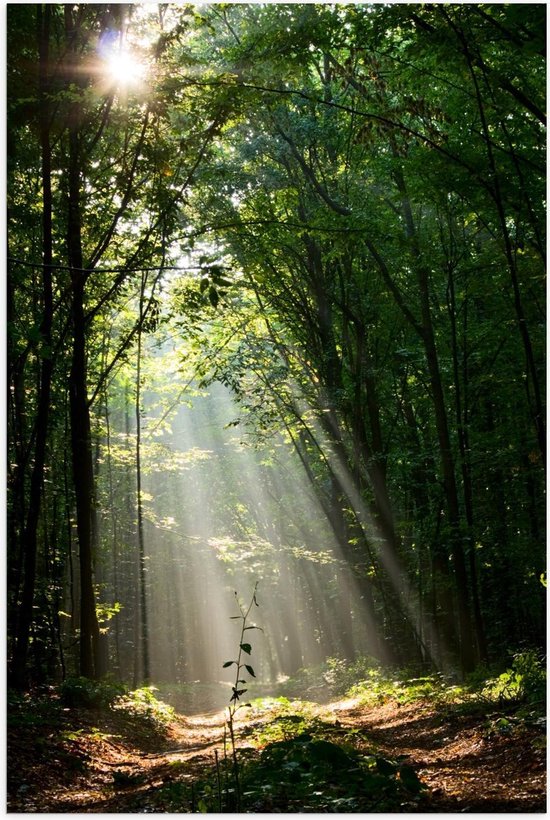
(222, 515)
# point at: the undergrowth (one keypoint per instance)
(302, 764)
(291, 759)
(143, 704)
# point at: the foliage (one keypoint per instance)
(337, 213)
(287, 719)
(314, 774)
(523, 682)
(521, 685)
(143, 703)
(341, 674)
(82, 692)
(238, 690)
(32, 711)
(380, 687)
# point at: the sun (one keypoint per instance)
(124, 68)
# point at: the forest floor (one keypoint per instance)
(80, 760)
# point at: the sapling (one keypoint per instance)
(237, 693)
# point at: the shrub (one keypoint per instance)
(144, 704)
(334, 677)
(91, 694)
(524, 681)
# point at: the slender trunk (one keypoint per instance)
(144, 624)
(467, 654)
(114, 528)
(449, 480)
(16, 470)
(83, 480)
(68, 516)
(30, 534)
(461, 408)
(435, 579)
(81, 440)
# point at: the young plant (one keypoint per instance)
(240, 665)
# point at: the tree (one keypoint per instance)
(331, 124)
(337, 213)
(106, 172)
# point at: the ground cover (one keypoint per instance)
(387, 746)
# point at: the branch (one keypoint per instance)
(398, 296)
(103, 243)
(139, 324)
(339, 209)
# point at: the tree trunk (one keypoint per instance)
(81, 440)
(83, 482)
(461, 409)
(144, 624)
(467, 653)
(30, 534)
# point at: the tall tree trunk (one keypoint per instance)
(427, 333)
(435, 575)
(83, 481)
(461, 408)
(81, 440)
(16, 469)
(43, 405)
(144, 623)
(114, 527)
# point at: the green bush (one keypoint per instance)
(309, 773)
(524, 681)
(334, 677)
(341, 674)
(90, 694)
(144, 704)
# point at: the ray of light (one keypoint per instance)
(227, 506)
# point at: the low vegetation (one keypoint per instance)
(293, 755)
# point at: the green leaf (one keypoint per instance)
(213, 296)
(246, 647)
(385, 767)
(327, 752)
(228, 663)
(410, 779)
(250, 670)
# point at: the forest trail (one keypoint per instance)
(111, 765)
(467, 765)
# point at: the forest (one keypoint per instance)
(275, 407)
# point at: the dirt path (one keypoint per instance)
(467, 765)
